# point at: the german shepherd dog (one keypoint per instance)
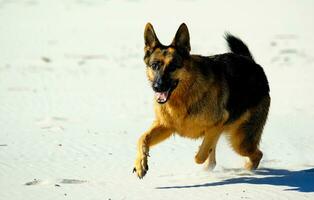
(201, 97)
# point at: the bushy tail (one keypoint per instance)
(237, 46)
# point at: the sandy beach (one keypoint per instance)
(74, 99)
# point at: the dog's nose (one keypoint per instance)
(159, 85)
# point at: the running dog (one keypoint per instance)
(203, 96)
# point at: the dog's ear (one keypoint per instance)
(182, 39)
(150, 38)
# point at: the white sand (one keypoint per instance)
(74, 99)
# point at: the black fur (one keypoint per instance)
(246, 81)
(237, 46)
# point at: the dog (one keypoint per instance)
(202, 97)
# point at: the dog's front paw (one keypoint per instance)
(141, 166)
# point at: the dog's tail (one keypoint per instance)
(237, 46)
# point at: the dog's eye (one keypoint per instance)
(155, 65)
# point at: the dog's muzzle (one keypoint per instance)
(163, 90)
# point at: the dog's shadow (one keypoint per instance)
(302, 180)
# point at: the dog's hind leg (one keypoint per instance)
(207, 149)
(246, 137)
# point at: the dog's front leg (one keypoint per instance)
(208, 147)
(154, 135)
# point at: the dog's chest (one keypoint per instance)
(184, 124)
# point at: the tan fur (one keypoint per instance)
(196, 110)
(173, 117)
(154, 135)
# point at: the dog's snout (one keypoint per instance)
(158, 85)
(155, 86)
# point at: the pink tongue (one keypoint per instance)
(161, 96)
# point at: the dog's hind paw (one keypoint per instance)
(200, 159)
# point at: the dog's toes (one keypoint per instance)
(141, 167)
(141, 173)
(145, 166)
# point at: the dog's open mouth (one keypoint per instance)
(162, 97)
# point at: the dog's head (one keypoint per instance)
(164, 63)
